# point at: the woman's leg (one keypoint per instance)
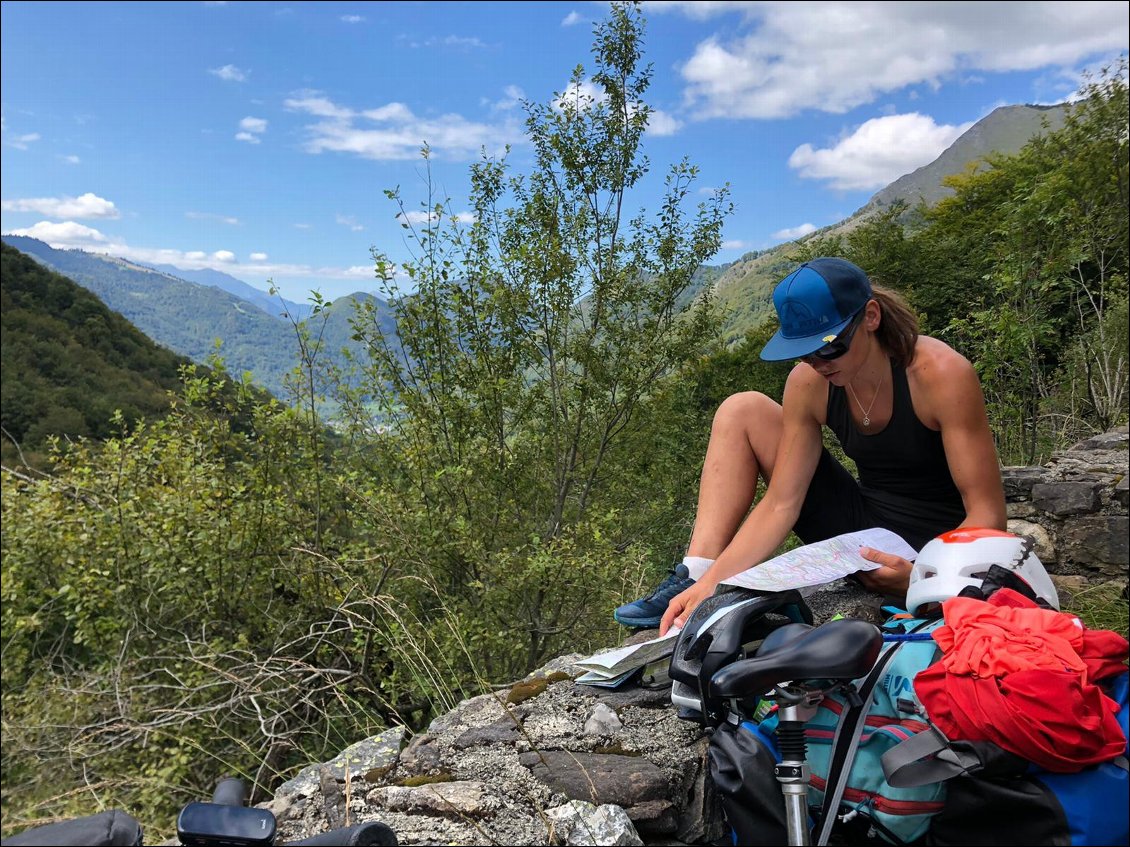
(743, 446)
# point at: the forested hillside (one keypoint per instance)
(68, 362)
(251, 331)
(186, 317)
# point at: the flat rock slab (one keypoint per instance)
(600, 778)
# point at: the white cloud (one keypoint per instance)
(84, 207)
(877, 152)
(229, 73)
(359, 272)
(586, 94)
(735, 244)
(581, 95)
(422, 217)
(396, 112)
(21, 142)
(69, 235)
(349, 222)
(793, 233)
(571, 18)
(66, 235)
(455, 41)
(785, 57)
(250, 129)
(662, 123)
(512, 98)
(71, 159)
(394, 132)
(320, 107)
(698, 9)
(302, 226)
(209, 216)
(353, 19)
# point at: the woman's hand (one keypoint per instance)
(891, 579)
(681, 605)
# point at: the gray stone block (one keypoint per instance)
(1045, 547)
(625, 781)
(1018, 480)
(1099, 542)
(1066, 498)
(581, 823)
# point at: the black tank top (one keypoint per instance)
(903, 474)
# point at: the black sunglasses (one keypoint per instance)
(835, 349)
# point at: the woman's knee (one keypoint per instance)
(747, 408)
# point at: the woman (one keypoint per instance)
(907, 408)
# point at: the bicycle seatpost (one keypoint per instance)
(795, 706)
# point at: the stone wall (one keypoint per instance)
(550, 761)
(1075, 509)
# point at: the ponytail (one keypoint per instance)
(898, 326)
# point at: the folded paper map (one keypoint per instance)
(824, 561)
(613, 663)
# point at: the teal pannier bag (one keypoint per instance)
(890, 713)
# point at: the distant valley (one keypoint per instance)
(187, 311)
(187, 316)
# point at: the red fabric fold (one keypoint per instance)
(1025, 679)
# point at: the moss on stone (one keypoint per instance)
(425, 779)
(616, 749)
(377, 774)
(527, 690)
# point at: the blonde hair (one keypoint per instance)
(898, 327)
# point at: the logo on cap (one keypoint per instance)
(799, 319)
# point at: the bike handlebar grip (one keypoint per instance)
(230, 792)
(372, 834)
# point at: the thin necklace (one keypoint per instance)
(867, 411)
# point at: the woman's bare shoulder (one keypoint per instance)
(935, 360)
(806, 389)
(942, 382)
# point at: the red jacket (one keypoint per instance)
(1024, 678)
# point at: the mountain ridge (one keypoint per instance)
(275, 306)
(186, 316)
(744, 290)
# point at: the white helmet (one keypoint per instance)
(961, 558)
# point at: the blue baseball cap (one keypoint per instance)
(815, 303)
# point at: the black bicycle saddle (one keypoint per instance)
(718, 632)
(837, 650)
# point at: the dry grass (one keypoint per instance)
(1103, 605)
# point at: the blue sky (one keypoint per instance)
(258, 138)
